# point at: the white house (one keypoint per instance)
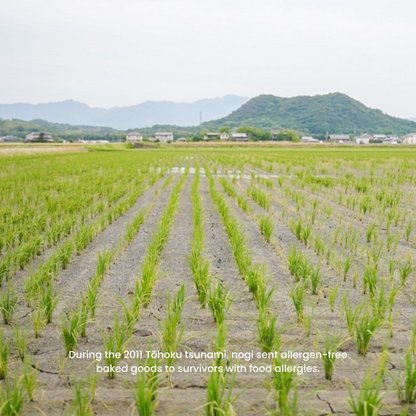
(134, 137)
(9, 138)
(224, 136)
(45, 136)
(363, 139)
(239, 137)
(308, 139)
(409, 138)
(164, 137)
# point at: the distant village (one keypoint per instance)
(168, 137)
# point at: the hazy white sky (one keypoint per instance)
(122, 52)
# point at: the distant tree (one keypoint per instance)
(288, 136)
(225, 129)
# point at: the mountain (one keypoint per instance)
(333, 113)
(141, 115)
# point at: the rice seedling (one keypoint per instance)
(172, 334)
(4, 355)
(297, 294)
(350, 315)
(283, 388)
(115, 343)
(147, 384)
(21, 341)
(39, 321)
(82, 400)
(219, 302)
(92, 297)
(266, 227)
(405, 269)
(29, 378)
(220, 394)
(365, 329)
(409, 229)
(406, 382)
(347, 267)
(369, 399)
(12, 398)
(8, 302)
(49, 302)
(330, 344)
(71, 330)
(267, 330)
(370, 279)
(333, 295)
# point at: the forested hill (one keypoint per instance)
(333, 113)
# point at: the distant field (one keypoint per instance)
(207, 250)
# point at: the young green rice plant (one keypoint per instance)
(262, 198)
(333, 295)
(266, 227)
(115, 344)
(284, 389)
(365, 329)
(370, 279)
(172, 333)
(20, 341)
(220, 394)
(315, 279)
(369, 399)
(351, 315)
(406, 383)
(83, 316)
(8, 302)
(347, 267)
(92, 297)
(4, 355)
(147, 384)
(404, 271)
(392, 268)
(12, 398)
(297, 294)
(38, 317)
(65, 253)
(330, 344)
(104, 261)
(29, 378)
(82, 400)
(49, 302)
(133, 227)
(71, 330)
(219, 302)
(409, 229)
(267, 330)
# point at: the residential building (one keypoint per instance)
(9, 139)
(364, 139)
(239, 137)
(308, 139)
(164, 137)
(45, 136)
(224, 136)
(134, 137)
(212, 136)
(409, 138)
(339, 138)
(181, 140)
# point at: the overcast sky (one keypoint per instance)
(123, 52)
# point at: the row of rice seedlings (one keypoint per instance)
(261, 197)
(231, 191)
(199, 265)
(150, 265)
(253, 273)
(75, 324)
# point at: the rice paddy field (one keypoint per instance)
(208, 282)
